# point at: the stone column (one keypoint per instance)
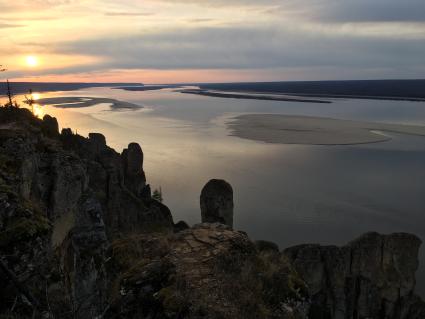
(217, 202)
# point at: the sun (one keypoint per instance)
(32, 61)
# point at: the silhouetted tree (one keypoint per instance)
(9, 96)
(157, 195)
(10, 103)
(30, 101)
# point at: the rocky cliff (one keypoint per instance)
(82, 237)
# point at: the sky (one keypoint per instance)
(181, 41)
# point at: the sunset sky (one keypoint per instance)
(169, 41)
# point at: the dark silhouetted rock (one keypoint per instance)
(181, 225)
(371, 277)
(50, 126)
(66, 132)
(84, 259)
(98, 142)
(134, 176)
(217, 202)
(263, 245)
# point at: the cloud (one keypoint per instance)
(331, 10)
(18, 6)
(337, 11)
(385, 36)
(10, 25)
(200, 20)
(128, 14)
(375, 11)
(247, 48)
(226, 3)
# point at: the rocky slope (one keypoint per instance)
(82, 237)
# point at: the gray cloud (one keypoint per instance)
(332, 10)
(243, 48)
(372, 11)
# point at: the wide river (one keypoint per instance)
(289, 194)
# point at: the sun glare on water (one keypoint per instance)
(38, 111)
(31, 61)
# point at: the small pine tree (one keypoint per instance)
(30, 101)
(2, 69)
(157, 195)
(10, 103)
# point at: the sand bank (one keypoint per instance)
(286, 129)
(78, 101)
(253, 96)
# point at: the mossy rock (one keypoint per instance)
(173, 302)
(4, 188)
(135, 270)
(8, 164)
(24, 228)
(271, 278)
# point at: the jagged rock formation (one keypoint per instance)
(371, 277)
(81, 237)
(60, 195)
(217, 202)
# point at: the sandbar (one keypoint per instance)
(288, 129)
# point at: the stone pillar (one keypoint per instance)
(97, 142)
(217, 202)
(134, 176)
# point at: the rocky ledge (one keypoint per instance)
(82, 237)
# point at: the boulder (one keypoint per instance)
(217, 202)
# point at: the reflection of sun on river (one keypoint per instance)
(38, 111)
(37, 108)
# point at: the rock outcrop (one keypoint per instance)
(217, 202)
(207, 271)
(371, 277)
(63, 197)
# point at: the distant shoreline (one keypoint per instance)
(402, 90)
(360, 97)
(40, 87)
(247, 96)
